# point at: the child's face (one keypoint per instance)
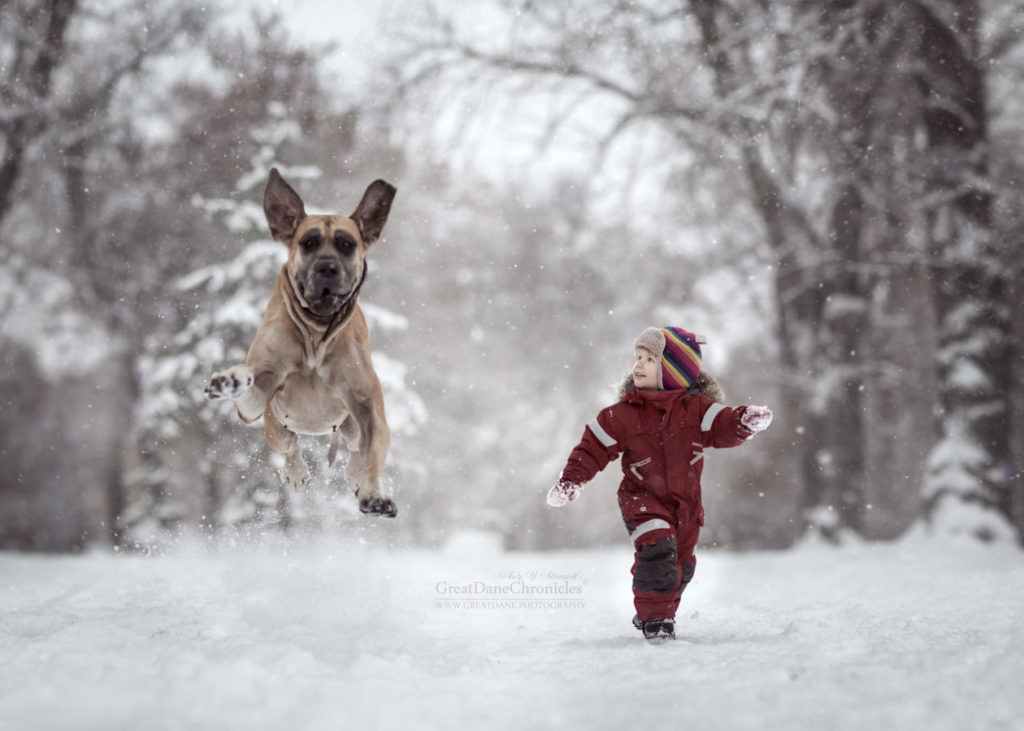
(645, 369)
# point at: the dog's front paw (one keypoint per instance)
(230, 384)
(377, 505)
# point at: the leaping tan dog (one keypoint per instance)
(308, 371)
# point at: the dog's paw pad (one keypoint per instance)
(229, 384)
(382, 506)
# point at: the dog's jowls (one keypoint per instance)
(308, 371)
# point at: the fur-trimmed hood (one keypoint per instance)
(705, 384)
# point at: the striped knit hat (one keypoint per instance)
(679, 351)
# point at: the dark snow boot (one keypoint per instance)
(656, 630)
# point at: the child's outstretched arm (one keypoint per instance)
(724, 426)
(596, 449)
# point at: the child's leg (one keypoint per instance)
(656, 560)
(687, 533)
(655, 575)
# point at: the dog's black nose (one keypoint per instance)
(326, 269)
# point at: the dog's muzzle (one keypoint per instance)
(321, 289)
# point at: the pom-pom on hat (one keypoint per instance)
(679, 353)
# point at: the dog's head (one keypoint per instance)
(326, 254)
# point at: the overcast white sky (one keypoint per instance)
(360, 27)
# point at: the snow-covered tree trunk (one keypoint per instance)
(970, 464)
(26, 81)
(65, 146)
(822, 290)
(875, 321)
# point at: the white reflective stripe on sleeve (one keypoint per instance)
(709, 416)
(648, 526)
(601, 434)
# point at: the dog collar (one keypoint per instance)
(341, 317)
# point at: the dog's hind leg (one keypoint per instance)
(286, 442)
(369, 445)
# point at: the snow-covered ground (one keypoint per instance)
(922, 634)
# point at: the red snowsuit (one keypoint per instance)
(661, 436)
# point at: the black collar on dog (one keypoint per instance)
(341, 316)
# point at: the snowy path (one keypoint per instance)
(918, 635)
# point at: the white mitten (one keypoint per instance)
(756, 418)
(564, 492)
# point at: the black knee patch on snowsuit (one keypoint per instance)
(655, 571)
(686, 575)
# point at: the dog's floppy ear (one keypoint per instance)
(373, 210)
(282, 207)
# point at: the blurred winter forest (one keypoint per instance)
(830, 190)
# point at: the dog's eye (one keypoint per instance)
(310, 242)
(344, 242)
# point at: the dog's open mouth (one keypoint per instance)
(324, 302)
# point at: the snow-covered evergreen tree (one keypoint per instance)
(970, 468)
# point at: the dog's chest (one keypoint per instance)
(307, 403)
